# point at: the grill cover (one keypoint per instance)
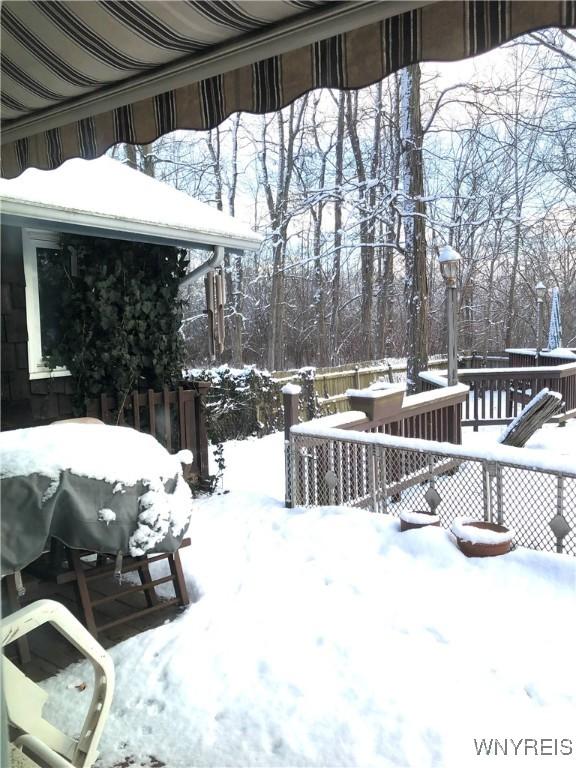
(112, 511)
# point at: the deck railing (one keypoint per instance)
(174, 416)
(526, 358)
(529, 491)
(425, 416)
(498, 395)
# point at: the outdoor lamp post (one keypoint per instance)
(449, 261)
(540, 293)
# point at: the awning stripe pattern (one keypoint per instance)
(79, 46)
(443, 31)
(228, 14)
(136, 17)
(36, 46)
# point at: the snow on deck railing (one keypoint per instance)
(561, 353)
(439, 379)
(532, 459)
(497, 395)
(524, 488)
(426, 415)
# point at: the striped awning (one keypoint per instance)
(81, 75)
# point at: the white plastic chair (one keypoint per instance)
(37, 740)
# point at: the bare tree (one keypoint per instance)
(414, 225)
(277, 201)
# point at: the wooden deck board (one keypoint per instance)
(51, 652)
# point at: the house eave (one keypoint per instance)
(36, 216)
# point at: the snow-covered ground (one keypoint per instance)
(328, 638)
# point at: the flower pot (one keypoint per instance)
(419, 518)
(477, 538)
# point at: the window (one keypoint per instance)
(42, 296)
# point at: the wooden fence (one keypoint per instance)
(474, 360)
(175, 417)
(331, 384)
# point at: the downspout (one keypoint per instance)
(213, 262)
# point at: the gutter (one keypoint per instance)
(213, 262)
(37, 216)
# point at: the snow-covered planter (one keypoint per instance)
(377, 403)
(477, 538)
(417, 519)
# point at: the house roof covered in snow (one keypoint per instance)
(107, 198)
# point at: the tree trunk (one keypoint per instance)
(279, 218)
(366, 212)
(148, 160)
(336, 259)
(319, 298)
(131, 158)
(413, 219)
(388, 228)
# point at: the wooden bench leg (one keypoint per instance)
(179, 582)
(146, 578)
(14, 604)
(82, 591)
(81, 576)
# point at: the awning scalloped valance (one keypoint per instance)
(437, 31)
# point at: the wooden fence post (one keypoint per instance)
(455, 424)
(201, 431)
(290, 399)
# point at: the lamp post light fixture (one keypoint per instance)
(540, 294)
(449, 261)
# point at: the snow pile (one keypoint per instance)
(447, 254)
(381, 384)
(291, 389)
(419, 518)
(552, 441)
(113, 454)
(115, 195)
(438, 378)
(160, 513)
(184, 456)
(328, 638)
(560, 352)
(106, 516)
(462, 529)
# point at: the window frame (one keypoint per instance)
(31, 240)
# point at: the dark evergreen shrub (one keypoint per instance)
(119, 316)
